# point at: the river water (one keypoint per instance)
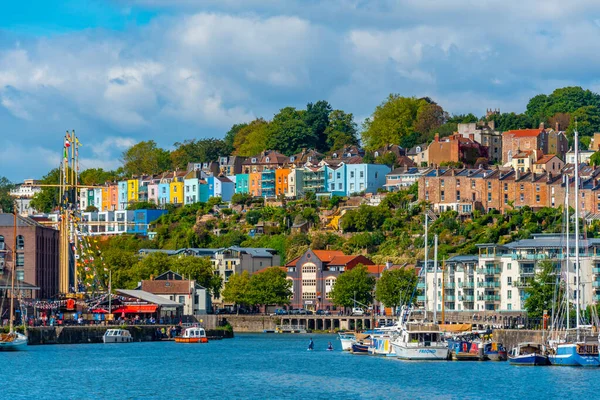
(270, 366)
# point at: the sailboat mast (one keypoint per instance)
(425, 268)
(14, 271)
(568, 260)
(435, 279)
(577, 297)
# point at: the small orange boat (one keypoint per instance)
(192, 335)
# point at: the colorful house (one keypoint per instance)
(132, 190)
(176, 190)
(241, 183)
(281, 181)
(123, 195)
(268, 182)
(336, 179)
(105, 198)
(191, 185)
(313, 180)
(365, 177)
(113, 194)
(295, 182)
(142, 219)
(164, 189)
(220, 186)
(83, 199)
(255, 183)
(98, 198)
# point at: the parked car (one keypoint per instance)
(222, 311)
(358, 311)
(302, 311)
(280, 311)
(323, 312)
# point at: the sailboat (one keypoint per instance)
(574, 350)
(13, 340)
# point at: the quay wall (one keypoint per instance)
(252, 323)
(511, 337)
(93, 334)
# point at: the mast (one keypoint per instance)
(426, 261)
(443, 290)
(435, 279)
(14, 271)
(577, 229)
(568, 260)
(109, 292)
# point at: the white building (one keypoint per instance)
(23, 194)
(584, 156)
(175, 287)
(497, 278)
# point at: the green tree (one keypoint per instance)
(237, 289)
(145, 158)
(270, 287)
(289, 132)
(341, 131)
(391, 122)
(595, 159)
(317, 118)
(96, 176)
(6, 201)
(355, 284)
(508, 121)
(203, 150)
(396, 287)
(199, 269)
(586, 119)
(48, 197)
(541, 291)
(252, 138)
(388, 159)
(230, 137)
(430, 117)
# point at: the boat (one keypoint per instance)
(117, 336)
(573, 353)
(420, 341)
(192, 335)
(358, 348)
(13, 340)
(466, 350)
(346, 339)
(529, 353)
(495, 351)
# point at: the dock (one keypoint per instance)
(291, 329)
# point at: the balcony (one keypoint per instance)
(420, 298)
(490, 271)
(421, 285)
(466, 298)
(489, 297)
(596, 297)
(522, 283)
(596, 270)
(596, 284)
(488, 284)
(468, 285)
(449, 285)
(449, 298)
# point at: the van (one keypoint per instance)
(358, 311)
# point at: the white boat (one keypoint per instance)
(193, 335)
(117, 336)
(347, 339)
(420, 341)
(12, 341)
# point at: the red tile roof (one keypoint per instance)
(523, 132)
(327, 255)
(342, 260)
(284, 269)
(375, 269)
(545, 159)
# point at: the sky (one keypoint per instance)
(122, 71)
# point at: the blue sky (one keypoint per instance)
(122, 71)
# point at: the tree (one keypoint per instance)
(203, 150)
(355, 284)
(91, 208)
(270, 287)
(230, 137)
(388, 159)
(541, 291)
(586, 119)
(396, 287)
(6, 201)
(508, 121)
(96, 176)
(430, 116)
(199, 269)
(317, 118)
(392, 121)
(289, 132)
(252, 138)
(341, 131)
(595, 159)
(48, 197)
(237, 289)
(146, 158)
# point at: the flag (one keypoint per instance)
(67, 142)
(65, 155)
(77, 141)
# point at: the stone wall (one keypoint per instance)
(254, 323)
(511, 337)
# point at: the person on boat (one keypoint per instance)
(329, 346)
(311, 344)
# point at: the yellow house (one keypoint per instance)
(132, 190)
(105, 198)
(176, 186)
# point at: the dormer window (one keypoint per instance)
(292, 158)
(267, 159)
(253, 160)
(349, 155)
(376, 154)
(334, 155)
(418, 149)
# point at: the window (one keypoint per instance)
(20, 242)
(181, 299)
(1, 242)
(509, 282)
(309, 269)
(458, 183)
(332, 186)
(472, 183)
(509, 306)
(505, 199)
(330, 175)
(362, 186)
(506, 187)
(361, 174)
(309, 282)
(489, 196)
(20, 275)
(20, 260)
(351, 174)
(522, 187)
(442, 195)
(489, 185)
(509, 266)
(522, 197)
(457, 195)
(309, 295)
(338, 175)
(340, 186)
(351, 186)
(427, 198)
(267, 159)
(537, 198)
(537, 188)
(441, 183)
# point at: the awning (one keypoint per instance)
(99, 311)
(134, 309)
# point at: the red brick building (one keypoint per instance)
(456, 148)
(548, 141)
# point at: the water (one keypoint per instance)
(259, 366)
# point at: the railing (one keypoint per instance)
(596, 283)
(466, 298)
(596, 270)
(489, 297)
(597, 297)
(466, 284)
(488, 284)
(421, 285)
(449, 285)
(420, 298)
(490, 271)
(449, 298)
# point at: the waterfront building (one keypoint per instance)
(37, 254)
(497, 277)
(22, 195)
(173, 286)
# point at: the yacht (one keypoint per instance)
(117, 336)
(420, 341)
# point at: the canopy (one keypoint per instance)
(99, 311)
(455, 327)
(134, 309)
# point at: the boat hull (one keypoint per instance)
(359, 348)
(347, 341)
(497, 356)
(16, 341)
(191, 340)
(529, 359)
(567, 356)
(425, 353)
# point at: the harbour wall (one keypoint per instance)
(93, 334)
(329, 323)
(511, 337)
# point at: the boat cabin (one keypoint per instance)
(194, 332)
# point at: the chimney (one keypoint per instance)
(557, 126)
(542, 126)
(472, 136)
(533, 177)
(517, 174)
(437, 137)
(388, 264)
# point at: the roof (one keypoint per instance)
(545, 159)
(342, 260)
(168, 286)
(254, 251)
(149, 297)
(523, 132)
(284, 269)
(463, 258)
(327, 255)
(375, 269)
(9, 220)
(550, 241)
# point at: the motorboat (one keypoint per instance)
(117, 336)
(192, 335)
(346, 339)
(466, 350)
(420, 341)
(12, 341)
(361, 344)
(574, 353)
(495, 351)
(529, 354)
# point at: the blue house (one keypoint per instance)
(143, 218)
(241, 183)
(164, 193)
(365, 178)
(203, 192)
(122, 194)
(335, 179)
